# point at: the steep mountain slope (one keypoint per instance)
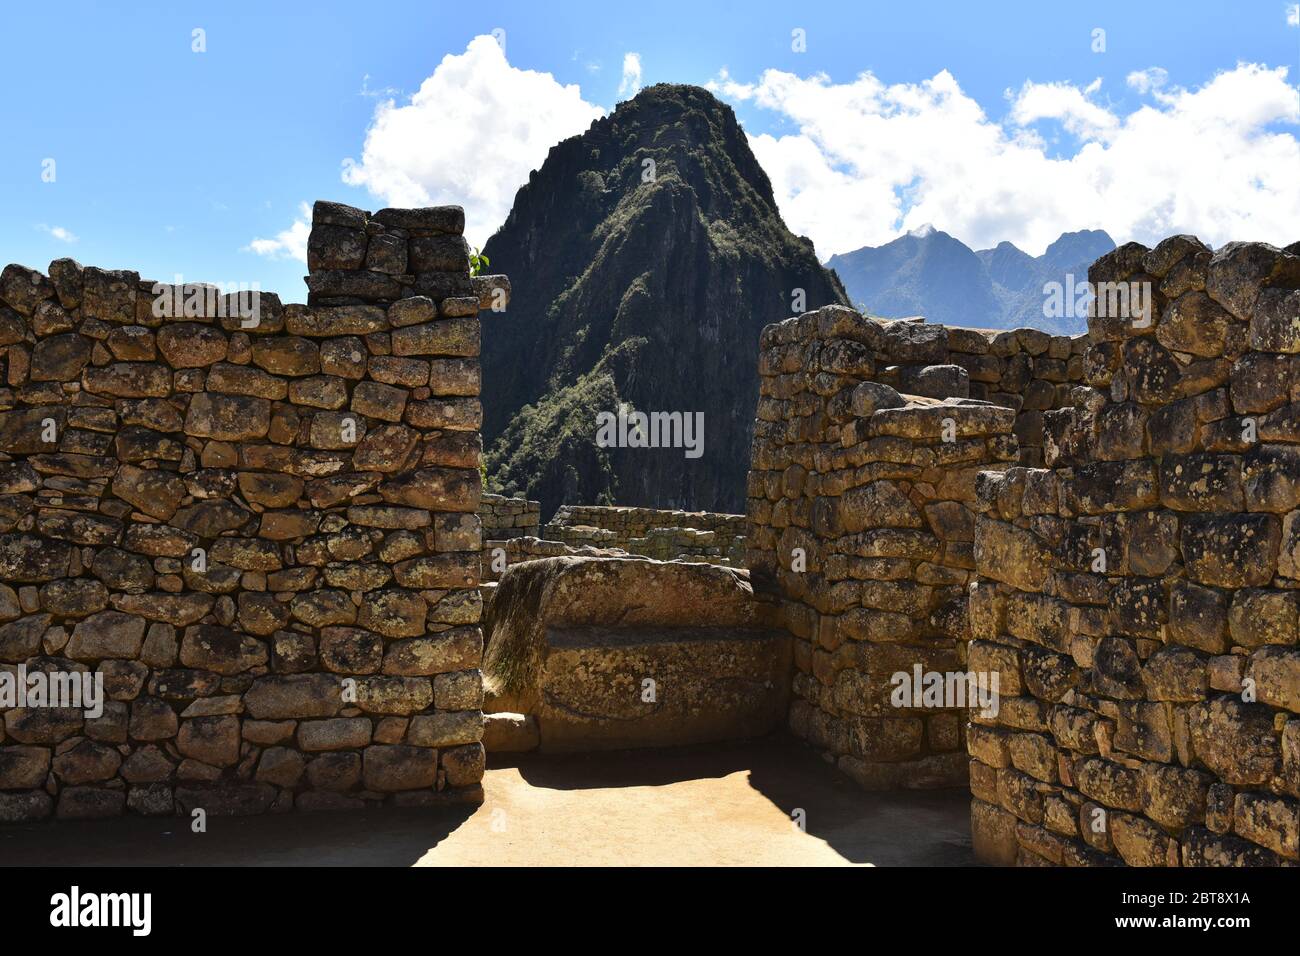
(932, 274)
(644, 256)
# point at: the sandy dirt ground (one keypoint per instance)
(719, 805)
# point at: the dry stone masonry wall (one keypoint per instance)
(1139, 596)
(256, 527)
(1026, 370)
(1136, 598)
(504, 518)
(861, 506)
(664, 535)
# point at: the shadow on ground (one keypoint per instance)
(895, 828)
(383, 837)
(720, 804)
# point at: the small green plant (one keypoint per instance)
(477, 262)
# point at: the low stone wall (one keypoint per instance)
(257, 529)
(1026, 370)
(503, 518)
(1140, 596)
(499, 555)
(861, 513)
(664, 535)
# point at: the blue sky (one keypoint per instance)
(170, 161)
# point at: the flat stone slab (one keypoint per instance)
(608, 688)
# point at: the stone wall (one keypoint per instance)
(256, 527)
(664, 535)
(1139, 596)
(504, 518)
(1025, 370)
(1137, 599)
(861, 513)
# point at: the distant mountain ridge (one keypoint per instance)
(928, 272)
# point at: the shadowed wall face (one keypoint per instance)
(252, 526)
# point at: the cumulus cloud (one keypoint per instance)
(58, 232)
(868, 160)
(631, 83)
(1148, 80)
(469, 136)
(1067, 104)
(289, 243)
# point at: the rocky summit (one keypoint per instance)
(645, 255)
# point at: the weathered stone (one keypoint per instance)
(286, 355)
(191, 345)
(244, 380)
(221, 650)
(1275, 324)
(27, 558)
(294, 696)
(281, 766)
(107, 634)
(388, 767)
(350, 650)
(1276, 673)
(155, 492)
(464, 765)
(399, 696)
(87, 762)
(394, 613)
(228, 417)
(1259, 616)
(89, 803)
(445, 729)
(1231, 550)
(1234, 740)
(1009, 554)
(60, 358)
(23, 767)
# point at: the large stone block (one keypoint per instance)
(1231, 550)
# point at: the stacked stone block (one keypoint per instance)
(1140, 595)
(664, 535)
(1026, 370)
(258, 528)
(504, 518)
(861, 519)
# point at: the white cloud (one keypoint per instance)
(1293, 15)
(289, 243)
(1148, 80)
(631, 83)
(58, 232)
(867, 160)
(1067, 104)
(469, 136)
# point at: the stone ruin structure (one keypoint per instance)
(1136, 596)
(599, 653)
(504, 519)
(265, 540)
(704, 536)
(256, 526)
